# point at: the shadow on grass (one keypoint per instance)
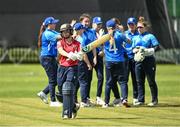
(108, 118)
(167, 105)
(160, 105)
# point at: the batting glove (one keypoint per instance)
(79, 55)
(101, 32)
(72, 56)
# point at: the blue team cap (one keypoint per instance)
(97, 20)
(78, 26)
(131, 20)
(111, 23)
(50, 20)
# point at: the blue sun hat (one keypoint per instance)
(50, 20)
(111, 23)
(131, 20)
(78, 26)
(97, 20)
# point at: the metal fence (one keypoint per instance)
(19, 55)
(31, 55)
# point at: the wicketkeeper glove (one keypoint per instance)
(72, 56)
(148, 51)
(138, 48)
(139, 54)
(139, 57)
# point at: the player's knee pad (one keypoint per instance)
(68, 98)
(67, 88)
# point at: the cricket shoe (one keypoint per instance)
(65, 117)
(99, 101)
(138, 103)
(135, 101)
(83, 104)
(125, 104)
(152, 104)
(117, 102)
(43, 97)
(55, 104)
(91, 102)
(75, 110)
(105, 105)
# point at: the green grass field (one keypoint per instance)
(19, 105)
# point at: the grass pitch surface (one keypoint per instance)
(20, 106)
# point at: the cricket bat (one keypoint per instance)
(96, 43)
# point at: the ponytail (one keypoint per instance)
(142, 20)
(42, 29)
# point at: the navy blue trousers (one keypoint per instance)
(147, 68)
(100, 75)
(130, 66)
(115, 72)
(50, 66)
(84, 77)
(66, 74)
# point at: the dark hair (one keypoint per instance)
(42, 29)
(84, 15)
(117, 21)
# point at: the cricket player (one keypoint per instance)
(99, 67)
(69, 50)
(90, 59)
(145, 44)
(130, 63)
(78, 30)
(114, 62)
(47, 42)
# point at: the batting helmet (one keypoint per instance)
(65, 27)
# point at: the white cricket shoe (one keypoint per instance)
(43, 97)
(99, 101)
(105, 105)
(152, 104)
(55, 104)
(65, 117)
(138, 103)
(90, 102)
(74, 113)
(83, 104)
(135, 101)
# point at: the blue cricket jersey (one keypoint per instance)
(115, 53)
(49, 43)
(128, 46)
(100, 48)
(146, 40)
(87, 38)
(79, 39)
